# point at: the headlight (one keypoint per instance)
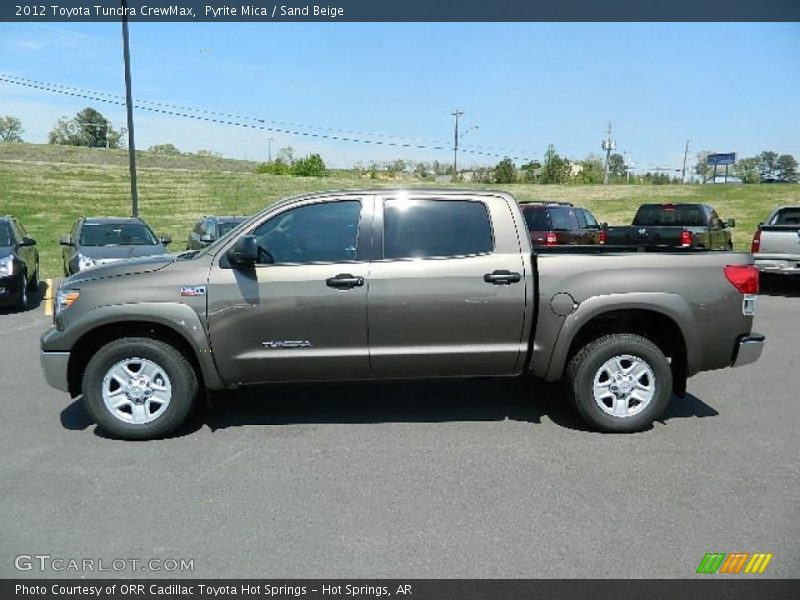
(85, 262)
(6, 266)
(65, 299)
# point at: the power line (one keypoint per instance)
(238, 120)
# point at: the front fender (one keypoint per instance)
(670, 305)
(178, 317)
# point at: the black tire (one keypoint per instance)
(181, 374)
(23, 300)
(587, 363)
(33, 282)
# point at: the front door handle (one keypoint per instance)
(502, 277)
(344, 281)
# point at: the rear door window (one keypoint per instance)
(435, 229)
(536, 219)
(562, 219)
(787, 216)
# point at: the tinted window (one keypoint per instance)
(5, 234)
(116, 234)
(590, 220)
(224, 228)
(581, 216)
(536, 219)
(561, 219)
(325, 232)
(787, 216)
(679, 216)
(435, 228)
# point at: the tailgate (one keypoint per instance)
(780, 240)
(649, 236)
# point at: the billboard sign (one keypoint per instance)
(721, 159)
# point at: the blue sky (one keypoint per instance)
(727, 87)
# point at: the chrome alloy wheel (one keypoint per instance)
(136, 390)
(624, 385)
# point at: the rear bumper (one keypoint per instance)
(55, 365)
(781, 266)
(748, 349)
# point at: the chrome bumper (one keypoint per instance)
(790, 266)
(749, 349)
(54, 365)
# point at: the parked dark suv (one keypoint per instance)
(560, 223)
(101, 240)
(210, 228)
(19, 264)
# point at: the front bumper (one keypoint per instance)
(748, 350)
(55, 365)
(10, 289)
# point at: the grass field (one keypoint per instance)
(48, 187)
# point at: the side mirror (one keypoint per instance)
(165, 239)
(26, 241)
(244, 252)
(66, 240)
(730, 222)
(206, 238)
(603, 225)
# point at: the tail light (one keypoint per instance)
(743, 277)
(602, 237)
(550, 239)
(686, 239)
(756, 245)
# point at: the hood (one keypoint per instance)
(120, 252)
(132, 266)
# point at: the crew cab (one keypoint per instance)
(674, 225)
(386, 284)
(776, 242)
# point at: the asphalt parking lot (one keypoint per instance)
(411, 480)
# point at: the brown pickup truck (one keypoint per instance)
(398, 283)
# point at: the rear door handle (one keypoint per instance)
(344, 281)
(502, 277)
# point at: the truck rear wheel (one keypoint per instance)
(139, 388)
(620, 382)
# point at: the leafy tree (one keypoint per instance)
(286, 155)
(164, 150)
(10, 129)
(554, 169)
(530, 171)
(505, 172)
(616, 166)
(208, 154)
(701, 166)
(88, 128)
(768, 164)
(592, 170)
(786, 166)
(276, 167)
(310, 166)
(747, 169)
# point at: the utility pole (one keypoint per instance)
(608, 145)
(126, 54)
(456, 114)
(685, 154)
(269, 150)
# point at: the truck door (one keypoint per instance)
(301, 312)
(447, 290)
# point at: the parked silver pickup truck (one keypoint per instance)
(396, 284)
(776, 243)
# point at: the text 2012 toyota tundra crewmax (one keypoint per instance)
(396, 284)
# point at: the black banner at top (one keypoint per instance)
(398, 10)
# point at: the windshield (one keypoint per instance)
(116, 234)
(677, 216)
(5, 235)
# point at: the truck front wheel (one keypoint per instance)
(139, 388)
(620, 382)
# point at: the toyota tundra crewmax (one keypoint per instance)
(388, 284)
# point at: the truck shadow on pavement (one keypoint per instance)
(390, 402)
